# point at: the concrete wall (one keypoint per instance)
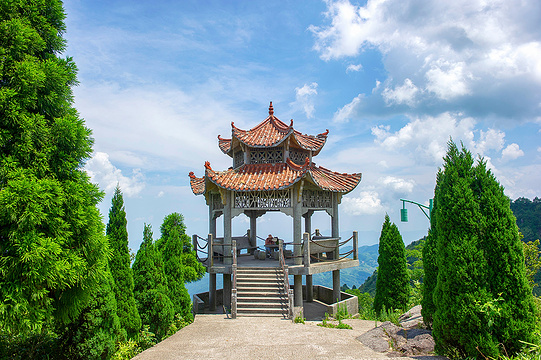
(324, 295)
(201, 301)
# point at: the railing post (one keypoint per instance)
(211, 251)
(306, 240)
(355, 245)
(233, 303)
(194, 242)
(234, 287)
(281, 251)
(291, 302)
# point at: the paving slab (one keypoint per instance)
(217, 337)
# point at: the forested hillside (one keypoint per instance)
(528, 214)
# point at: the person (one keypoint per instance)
(269, 245)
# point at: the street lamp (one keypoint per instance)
(404, 211)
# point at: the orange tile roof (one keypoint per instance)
(224, 144)
(257, 177)
(197, 184)
(272, 132)
(333, 181)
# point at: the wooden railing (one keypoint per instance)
(285, 271)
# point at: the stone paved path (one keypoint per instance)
(216, 337)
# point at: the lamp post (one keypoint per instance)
(404, 211)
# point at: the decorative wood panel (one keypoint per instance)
(316, 199)
(267, 156)
(275, 199)
(298, 156)
(238, 159)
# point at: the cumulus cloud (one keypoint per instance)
(345, 113)
(484, 58)
(397, 184)
(353, 67)
(404, 94)
(102, 171)
(304, 98)
(368, 202)
(512, 152)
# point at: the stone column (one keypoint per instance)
(336, 285)
(297, 289)
(253, 229)
(309, 289)
(227, 228)
(297, 226)
(227, 291)
(212, 291)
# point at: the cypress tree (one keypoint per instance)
(482, 299)
(120, 266)
(430, 267)
(96, 332)
(392, 285)
(153, 303)
(52, 246)
(179, 261)
(506, 273)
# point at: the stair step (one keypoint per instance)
(261, 311)
(252, 305)
(266, 299)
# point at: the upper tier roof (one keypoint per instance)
(272, 132)
(277, 176)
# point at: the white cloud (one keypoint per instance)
(404, 94)
(161, 194)
(426, 137)
(491, 139)
(304, 97)
(512, 152)
(353, 67)
(539, 149)
(447, 80)
(397, 184)
(486, 52)
(368, 202)
(347, 111)
(102, 171)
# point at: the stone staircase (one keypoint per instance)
(260, 292)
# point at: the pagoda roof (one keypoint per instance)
(272, 132)
(277, 176)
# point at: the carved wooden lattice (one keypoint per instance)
(263, 199)
(316, 199)
(239, 159)
(298, 156)
(267, 156)
(217, 202)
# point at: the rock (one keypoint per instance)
(409, 339)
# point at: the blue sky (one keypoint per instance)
(392, 80)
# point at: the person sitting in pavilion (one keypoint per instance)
(270, 245)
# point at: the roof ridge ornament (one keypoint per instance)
(271, 109)
(323, 134)
(207, 165)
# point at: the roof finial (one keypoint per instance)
(271, 109)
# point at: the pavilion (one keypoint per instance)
(273, 170)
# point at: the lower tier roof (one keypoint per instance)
(277, 176)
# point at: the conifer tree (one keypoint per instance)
(392, 285)
(96, 332)
(430, 268)
(52, 246)
(482, 299)
(117, 233)
(153, 303)
(180, 262)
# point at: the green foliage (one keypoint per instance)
(179, 262)
(428, 308)
(532, 261)
(528, 214)
(126, 350)
(150, 288)
(147, 339)
(479, 259)
(52, 248)
(178, 323)
(120, 266)
(299, 319)
(97, 330)
(369, 285)
(392, 286)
